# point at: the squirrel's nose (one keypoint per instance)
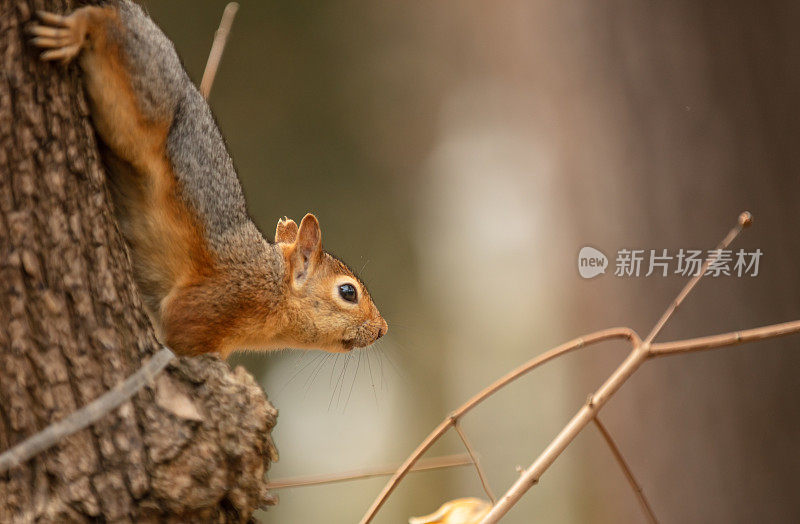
(383, 329)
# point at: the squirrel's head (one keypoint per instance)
(327, 306)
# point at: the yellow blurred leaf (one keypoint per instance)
(459, 511)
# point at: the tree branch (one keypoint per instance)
(725, 339)
(441, 429)
(642, 350)
(637, 489)
(476, 462)
(745, 219)
(447, 461)
(640, 353)
(217, 48)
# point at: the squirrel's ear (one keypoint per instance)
(307, 246)
(286, 231)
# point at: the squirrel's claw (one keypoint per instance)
(65, 54)
(53, 19)
(47, 31)
(50, 43)
(60, 35)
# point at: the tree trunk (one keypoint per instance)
(192, 445)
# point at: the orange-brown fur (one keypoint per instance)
(169, 252)
(238, 293)
(168, 243)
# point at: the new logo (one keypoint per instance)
(591, 262)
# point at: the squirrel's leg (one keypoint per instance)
(95, 36)
(133, 81)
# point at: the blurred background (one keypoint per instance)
(459, 154)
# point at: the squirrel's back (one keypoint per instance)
(194, 145)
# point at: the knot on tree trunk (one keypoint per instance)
(213, 449)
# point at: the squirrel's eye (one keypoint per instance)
(348, 292)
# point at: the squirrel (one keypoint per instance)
(209, 279)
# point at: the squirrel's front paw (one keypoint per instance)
(62, 36)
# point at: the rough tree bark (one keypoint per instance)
(192, 446)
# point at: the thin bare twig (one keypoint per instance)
(531, 476)
(637, 488)
(640, 353)
(447, 461)
(663, 349)
(441, 429)
(745, 219)
(88, 414)
(474, 457)
(725, 339)
(217, 47)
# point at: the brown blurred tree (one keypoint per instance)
(688, 109)
(195, 444)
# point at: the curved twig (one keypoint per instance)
(441, 429)
(589, 411)
(642, 350)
